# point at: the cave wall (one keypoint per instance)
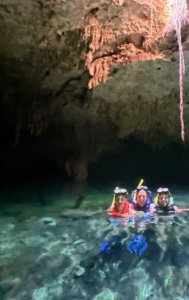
(85, 74)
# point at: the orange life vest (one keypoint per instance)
(115, 213)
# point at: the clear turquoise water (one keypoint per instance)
(45, 260)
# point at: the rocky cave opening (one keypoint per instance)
(91, 92)
(37, 159)
(94, 94)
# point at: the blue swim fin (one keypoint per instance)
(137, 245)
(129, 247)
(105, 247)
(144, 247)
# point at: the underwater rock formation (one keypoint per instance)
(57, 258)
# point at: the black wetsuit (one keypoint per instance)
(165, 210)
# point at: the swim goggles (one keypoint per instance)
(120, 191)
(142, 187)
(163, 190)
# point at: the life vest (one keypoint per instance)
(146, 207)
(165, 210)
(115, 213)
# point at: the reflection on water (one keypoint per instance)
(50, 238)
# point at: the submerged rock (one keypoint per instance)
(79, 271)
(49, 221)
(107, 294)
(62, 262)
(76, 213)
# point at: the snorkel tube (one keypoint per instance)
(117, 188)
(118, 191)
(140, 183)
(113, 200)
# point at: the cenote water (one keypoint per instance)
(51, 231)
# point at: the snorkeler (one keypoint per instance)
(142, 200)
(120, 205)
(164, 203)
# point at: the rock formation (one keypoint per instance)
(88, 73)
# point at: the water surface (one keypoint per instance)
(51, 234)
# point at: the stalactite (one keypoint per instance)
(178, 18)
(164, 17)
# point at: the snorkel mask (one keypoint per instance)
(139, 188)
(119, 191)
(163, 191)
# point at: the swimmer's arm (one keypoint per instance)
(124, 215)
(152, 208)
(135, 212)
(177, 209)
(132, 210)
(110, 209)
(111, 213)
(114, 213)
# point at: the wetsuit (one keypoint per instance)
(165, 210)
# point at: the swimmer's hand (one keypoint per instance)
(139, 213)
(132, 211)
(177, 210)
(124, 215)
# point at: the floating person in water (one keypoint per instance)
(142, 200)
(120, 205)
(164, 203)
(123, 213)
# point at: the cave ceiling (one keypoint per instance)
(88, 73)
